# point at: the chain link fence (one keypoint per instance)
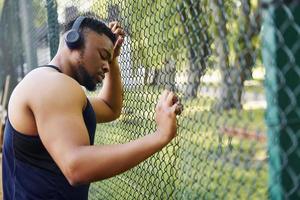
(209, 53)
(281, 58)
(187, 46)
(24, 40)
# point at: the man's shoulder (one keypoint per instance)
(45, 84)
(49, 79)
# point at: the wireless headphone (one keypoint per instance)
(74, 38)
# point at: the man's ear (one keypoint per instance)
(74, 56)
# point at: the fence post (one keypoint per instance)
(281, 56)
(3, 109)
(11, 43)
(53, 27)
(28, 33)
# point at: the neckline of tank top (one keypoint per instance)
(53, 66)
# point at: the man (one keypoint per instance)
(48, 142)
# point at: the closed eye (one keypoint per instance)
(105, 55)
(102, 57)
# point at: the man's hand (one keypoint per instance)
(167, 108)
(120, 34)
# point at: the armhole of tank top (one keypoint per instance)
(86, 104)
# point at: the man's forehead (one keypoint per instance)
(103, 40)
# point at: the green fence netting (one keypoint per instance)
(281, 55)
(209, 53)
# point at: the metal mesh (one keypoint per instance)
(23, 38)
(209, 53)
(281, 59)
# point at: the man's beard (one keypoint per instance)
(85, 79)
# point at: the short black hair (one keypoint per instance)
(94, 23)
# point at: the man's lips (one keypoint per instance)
(100, 76)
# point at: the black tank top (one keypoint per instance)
(29, 172)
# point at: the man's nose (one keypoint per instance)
(105, 68)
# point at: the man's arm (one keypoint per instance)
(108, 103)
(62, 130)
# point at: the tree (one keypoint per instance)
(152, 30)
(245, 54)
(53, 26)
(194, 19)
(238, 44)
(28, 33)
(1, 6)
(154, 35)
(11, 58)
(222, 49)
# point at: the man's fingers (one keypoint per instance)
(177, 108)
(119, 43)
(115, 27)
(171, 99)
(175, 99)
(112, 24)
(165, 94)
(119, 31)
(163, 97)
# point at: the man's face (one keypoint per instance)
(95, 58)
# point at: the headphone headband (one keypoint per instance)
(74, 37)
(77, 23)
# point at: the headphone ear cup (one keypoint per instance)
(73, 39)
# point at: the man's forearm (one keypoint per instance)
(110, 160)
(112, 92)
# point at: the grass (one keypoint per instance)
(253, 86)
(200, 163)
